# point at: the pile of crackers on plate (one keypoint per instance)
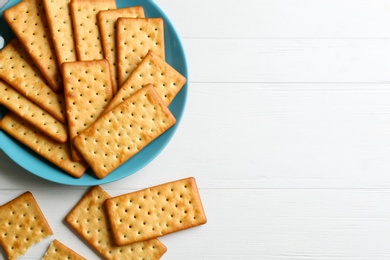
(85, 83)
(123, 227)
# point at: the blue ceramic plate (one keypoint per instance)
(39, 166)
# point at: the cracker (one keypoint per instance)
(18, 70)
(28, 21)
(88, 90)
(88, 218)
(60, 25)
(86, 30)
(154, 70)
(32, 113)
(155, 211)
(58, 154)
(135, 38)
(122, 132)
(107, 25)
(57, 250)
(22, 224)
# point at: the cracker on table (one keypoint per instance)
(86, 29)
(152, 70)
(58, 154)
(88, 90)
(155, 211)
(60, 25)
(88, 218)
(135, 37)
(57, 250)
(22, 224)
(122, 132)
(28, 21)
(18, 70)
(35, 115)
(107, 25)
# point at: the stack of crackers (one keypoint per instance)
(123, 227)
(86, 83)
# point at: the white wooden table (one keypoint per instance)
(286, 129)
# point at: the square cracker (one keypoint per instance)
(18, 70)
(107, 25)
(60, 25)
(152, 70)
(35, 115)
(88, 218)
(122, 132)
(135, 37)
(58, 154)
(28, 21)
(57, 250)
(22, 224)
(155, 211)
(88, 90)
(86, 30)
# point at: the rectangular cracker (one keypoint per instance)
(61, 31)
(107, 25)
(152, 70)
(155, 211)
(135, 38)
(28, 21)
(88, 90)
(33, 114)
(18, 70)
(88, 218)
(22, 225)
(125, 130)
(58, 154)
(86, 30)
(57, 250)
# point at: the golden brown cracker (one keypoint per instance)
(155, 211)
(88, 218)
(135, 37)
(58, 251)
(28, 21)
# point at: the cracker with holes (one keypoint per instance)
(86, 30)
(152, 70)
(58, 154)
(135, 38)
(88, 90)
(22, 224)
(125, 130)
(61, 31)
(33, 114)
(57, 250)
(155, 211)
(107, 25)
(88, 218)
(18, 70)
(28, 21)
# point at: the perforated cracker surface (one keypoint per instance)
(125, 130)
(18, 70)
(57, 153)
(22, 224)
(57, 250)
(32, 113)
(135, 38)
(89, 220)
(152, 70)
(107, 25)
(28, 21)
(60, 25)
(155, 211)
(88, 90)
(86, 30)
